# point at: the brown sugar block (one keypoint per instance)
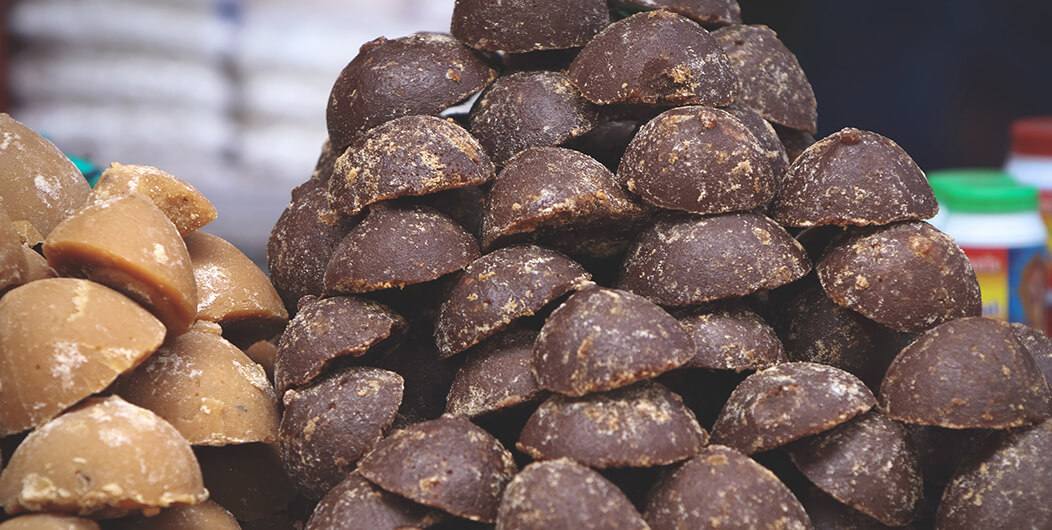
(795, 142)
(941, 450)
(329, 425)
(730, 336)
(530, 109)
(772, 81)
(1004, 484)
(419, 74)
(607, 142)
(685, 260)
(495, 375)
(428, 376)
(641, 425)
(207, 389)
(601, 339)
(827, 513)
(232, 291)
(62, 340)
(48, 521)
(698, 159)
(105, 458)
(767, 137)
(14, 265)
(40, 184)
(528, 25)
(1038, 344)
(908, 276)
(398, 245)
(705, 12)
(355, 503)
(413, 155)
(551, 189)
(537, 498)
(722, 488)
(207, 514)
(448, 463)
(36, 266)
(326, 164)
(246, 479)
(263, 353)
(499, 288)
(787, 402)
(867, 463)
(463, 205)
(967, 373)
(853, 177)
(128, 244)
(324, 330)
(656, 57)
(184, 206)
(302, 242)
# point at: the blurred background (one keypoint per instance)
(230, 95)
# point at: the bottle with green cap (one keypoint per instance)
(998, 224)
(943, 179)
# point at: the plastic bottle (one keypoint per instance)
(1000, 229)
(943, 179)
(1030, 162)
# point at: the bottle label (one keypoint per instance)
(1013, 282)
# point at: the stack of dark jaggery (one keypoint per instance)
(581, 303)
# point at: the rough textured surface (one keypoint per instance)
(356, 504)
(184, 206)
(601, 339)
(853, 177)
(772, 81)
(207, 389)
(722, 488)
(968, 373)
(448, 463)
(551, 193)
(327, 329)
(246, 479)
(1038, 344)
(499, 288)
(705, 12)
(1004, 484)
(528, 25)
(787, 402)
(867, 463)
(530, 109)
(537, 498)
(767, 137)
(413, 155)
(641, 425)
(495, 375)
(907, 276)
(63, 339)
(328, 426)
(105, 458)
(730, 336)
(685, 260)
(656, 57)
(396, 246)
(698, 159)
(418, 74)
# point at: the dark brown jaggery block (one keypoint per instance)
(409, 156)
(730, 336)
(528, 25)
(1038, 344)
(657, 57)
(537, 498)
(355, 503)
(827, 513)
(772, 81)
(607, 142)
(553, 190)
(941, 450)
(641, 425)
(428, 376)
(326, 163)
(396, 246)
(685, 260)
(722, 488)
(601, 339)
(463, 205)
(867, 463)
(1004, 484)
(448, 463)
(853, 177)
(908, 276)
(767, 137)
(496, 375)
(967, 373)
(700, 160)
(302, 242)
(331, 424)
(324, 330)
(704, 12)
(530, 109)
(787, 402)
(419, 74)
(499, 288)
(795, 142)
